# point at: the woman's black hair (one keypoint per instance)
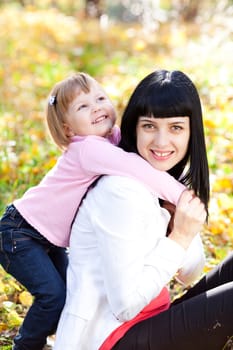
(164, 94)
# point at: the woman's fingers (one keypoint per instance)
(189, 218)
(191, 205)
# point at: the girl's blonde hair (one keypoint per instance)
(62, 94)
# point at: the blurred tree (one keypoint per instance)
(187, 10)
(93, 8)
(149, 12)
(25, 3)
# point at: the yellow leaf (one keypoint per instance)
(14, 320)
(3, 327)
(15, 285)
(2, 299)
(209, 123)
(25, 298)
(139, 45)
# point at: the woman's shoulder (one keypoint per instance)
(123, 186)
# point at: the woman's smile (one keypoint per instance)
(163, 142)
(161, 155)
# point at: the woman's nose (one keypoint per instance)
(161, 139)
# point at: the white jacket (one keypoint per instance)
(120, 259)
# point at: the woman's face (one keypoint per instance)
(163, 142)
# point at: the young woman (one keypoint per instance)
(121, 253)
(35, 229)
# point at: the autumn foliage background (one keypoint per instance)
(42, 46)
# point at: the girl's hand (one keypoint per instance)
(189, 218)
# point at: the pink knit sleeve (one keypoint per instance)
(98, 156)
(115, 136)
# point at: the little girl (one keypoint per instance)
(35, 229)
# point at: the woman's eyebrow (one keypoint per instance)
(146, 118)
(154, 120)
(177, 122)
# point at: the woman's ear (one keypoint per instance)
(68, 130)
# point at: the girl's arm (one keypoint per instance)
(97, 156)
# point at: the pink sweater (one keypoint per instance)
(50, 206)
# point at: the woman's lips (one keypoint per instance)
(161, 155)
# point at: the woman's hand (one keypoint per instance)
(171, 209)
(189, 218)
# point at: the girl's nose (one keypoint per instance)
(96, 107)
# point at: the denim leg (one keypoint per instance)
(59, 257)
(29, 261)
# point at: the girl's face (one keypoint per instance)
(163, 142)
(90, 113)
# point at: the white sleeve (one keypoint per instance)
(137, 259)
(193, 262)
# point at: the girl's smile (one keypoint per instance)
(90, 113)
(100, 119)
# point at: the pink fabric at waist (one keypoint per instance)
(157, 305)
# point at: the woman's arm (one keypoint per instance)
(98, 156)
(194, 261)
(138, 260)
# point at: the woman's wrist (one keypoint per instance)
(182, 239)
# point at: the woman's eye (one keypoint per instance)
(148, 126)
(176, 127)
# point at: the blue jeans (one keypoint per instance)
(41, 267)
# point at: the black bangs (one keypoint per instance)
(165, 102)
(164, 94)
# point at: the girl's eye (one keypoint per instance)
(101, 98)
(81, 107)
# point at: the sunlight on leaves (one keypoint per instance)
(41, 47)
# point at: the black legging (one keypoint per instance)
(202, 319)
